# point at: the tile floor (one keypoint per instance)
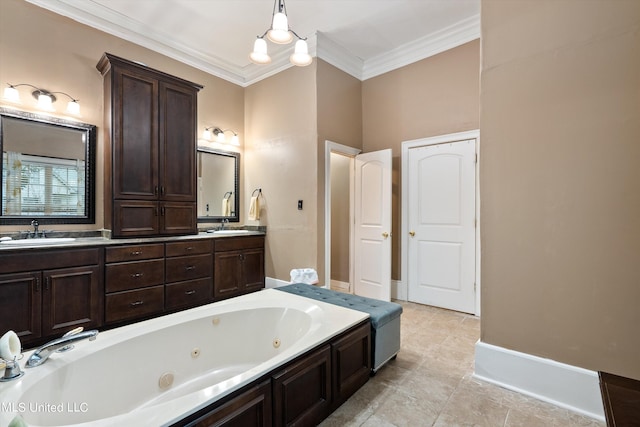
(431, 383)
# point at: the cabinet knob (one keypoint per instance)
(385, 234)
(412, 233)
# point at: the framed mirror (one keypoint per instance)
(218, 185)
(48, 169)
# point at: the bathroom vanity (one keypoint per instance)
(46, 291)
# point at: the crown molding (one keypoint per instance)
(338, 56)
(104, 19)
(452, 36)
(320, 46)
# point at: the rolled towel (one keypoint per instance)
(254, 209)
(10, 346)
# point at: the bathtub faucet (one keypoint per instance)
(42, 354)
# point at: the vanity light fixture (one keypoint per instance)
(280, 33)
(44, 97)
(220, 136)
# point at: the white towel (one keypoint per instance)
(10, 346)
(226, 207)
(254, 209)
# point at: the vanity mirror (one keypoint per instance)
(48, 169)
(218, 185)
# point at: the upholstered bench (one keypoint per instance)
(384, 317)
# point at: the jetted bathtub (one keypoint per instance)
(158, 371)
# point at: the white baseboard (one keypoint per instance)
(563, 385)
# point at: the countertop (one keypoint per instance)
(103, 241)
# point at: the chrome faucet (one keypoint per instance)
(223, 223)
(11, 368)
(34, 224)
(42, 354)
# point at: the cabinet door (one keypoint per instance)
(177, 143)
(251, 408)
(302, 391)
(253, 269)
(135, 136)
(227, 275)
(72, 297)
(20, 303)
(351, 362)
(178, 218)
(135, 218)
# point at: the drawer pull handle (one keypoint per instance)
(190, 248)
(190, 267)
(136, 253)
(136, 304)
(190, 292)
(137, 275)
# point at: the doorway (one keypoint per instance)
(440, 237)
(339, 183)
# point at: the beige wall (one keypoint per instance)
(435, 96)
(55, 53)
(560, 213)
(281, 158)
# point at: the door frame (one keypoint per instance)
(345, 150)
(404, 226)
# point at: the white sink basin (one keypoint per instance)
(230, 231)
(39, 241)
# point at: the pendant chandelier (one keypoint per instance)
(280, 33)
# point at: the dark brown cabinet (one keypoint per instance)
(238, 266)
(151, 126)
(189, 274)
(251, 408)
(134, 281)
(302, 391)
(44, 294)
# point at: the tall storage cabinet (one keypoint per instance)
(150, 155)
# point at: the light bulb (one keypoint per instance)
(259, 54)
(206, 134)
(235, 140)
(11, 94)
(45, 102)
(300, 56)
(279, 32)
(220, 137)
(73, 107)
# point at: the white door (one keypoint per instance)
(441, 246)
(372, 246)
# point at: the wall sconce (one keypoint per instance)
(211, 131)
(44, 97)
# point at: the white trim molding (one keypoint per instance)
(563, 385)
(270, 282)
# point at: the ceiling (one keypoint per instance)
(364, 38)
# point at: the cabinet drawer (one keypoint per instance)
(133, 304)
(192, 247)
(236, 243)
(189, 293)
(189, 267)
(135, 252)
(133, 275)
(31, 259)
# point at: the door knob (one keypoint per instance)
(385, 234)
(412, 233)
